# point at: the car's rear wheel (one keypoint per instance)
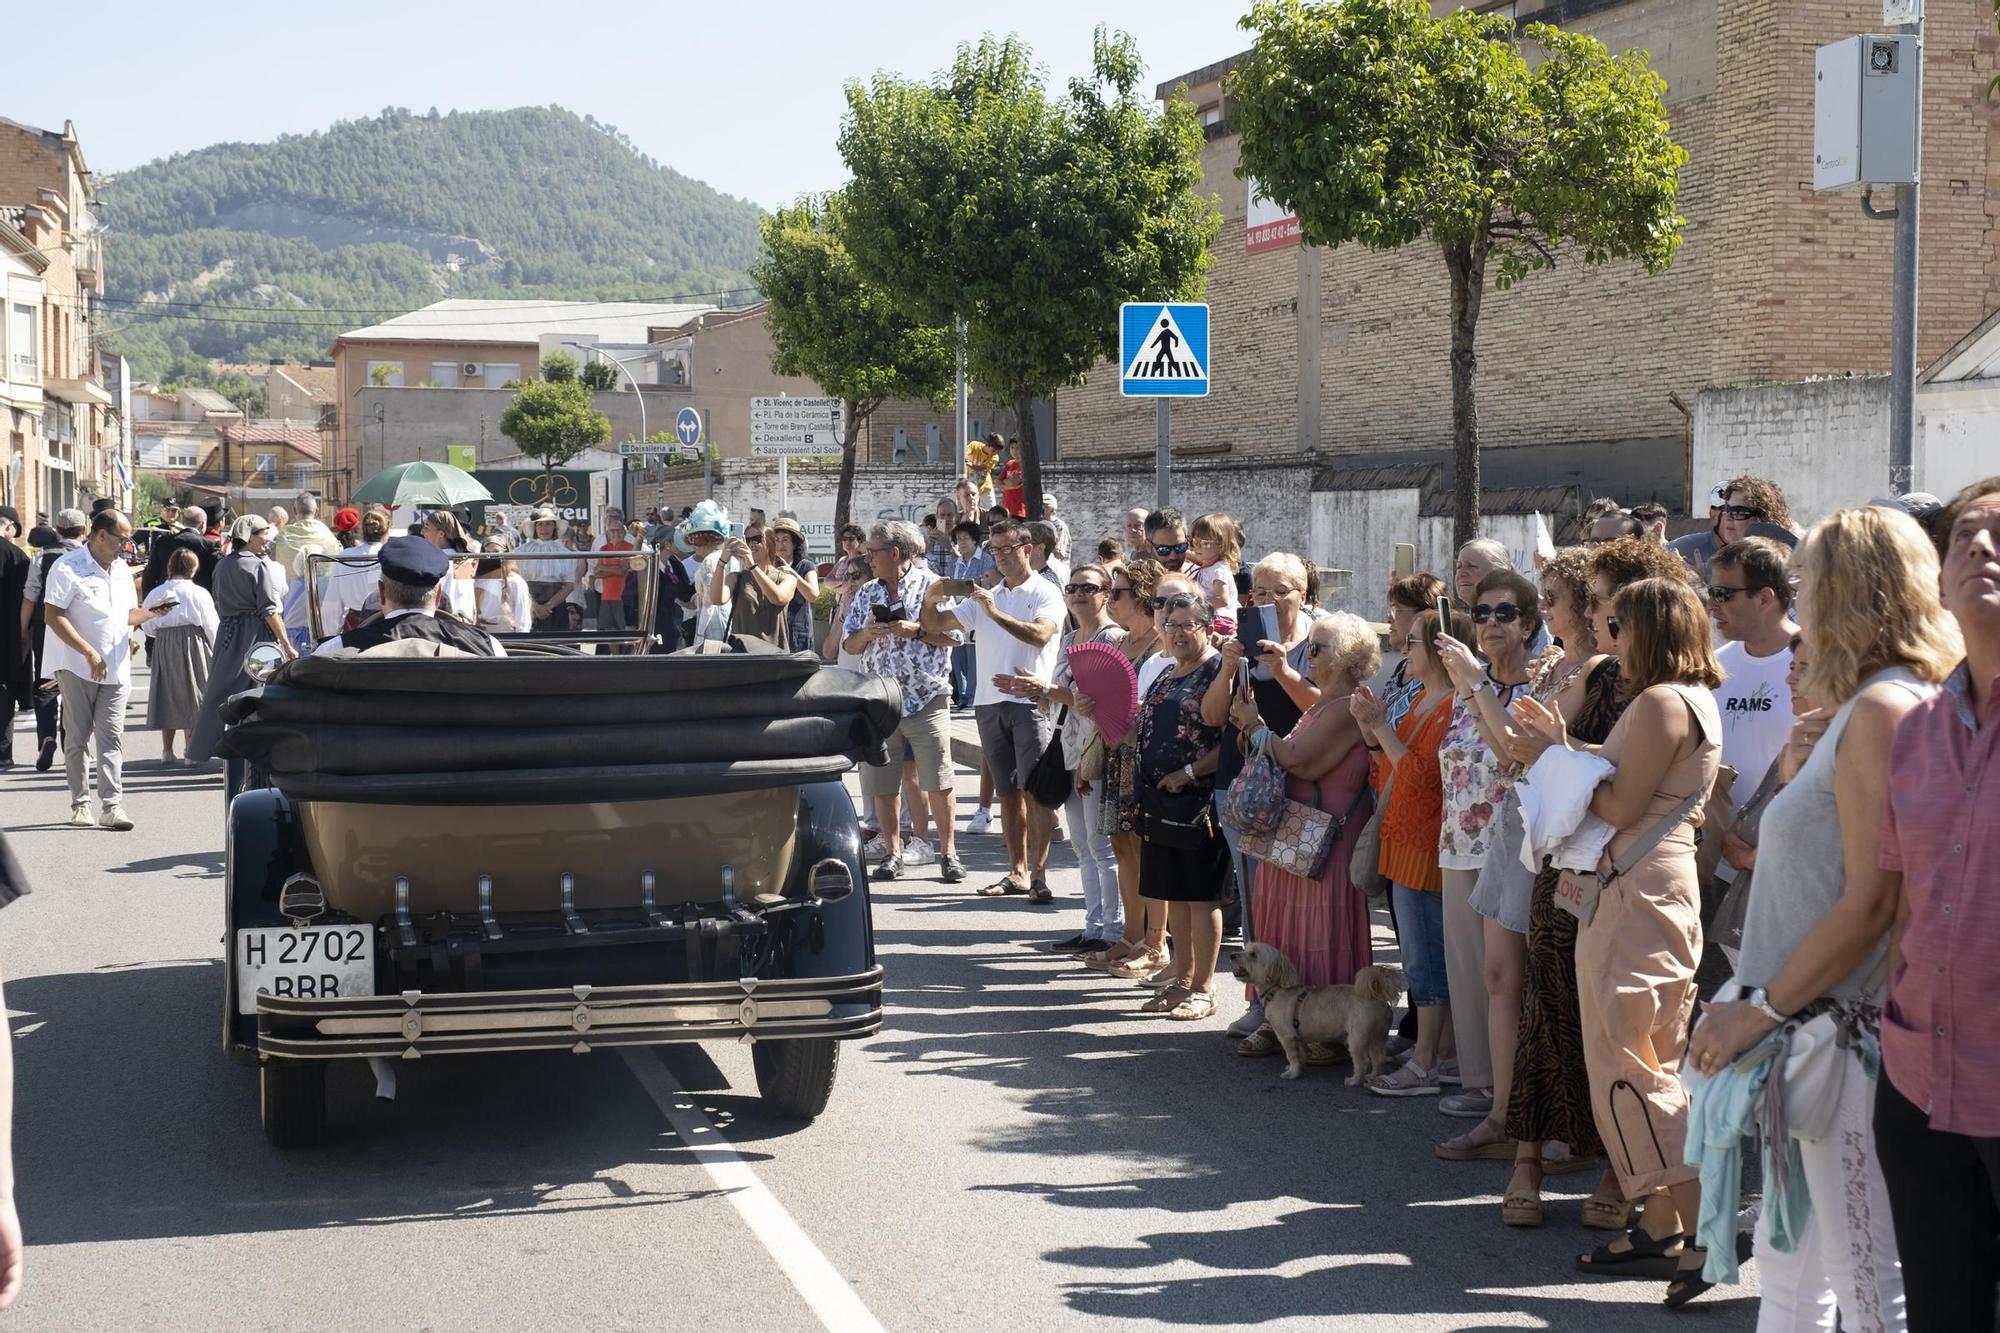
(292, 1101)
(795, 1078)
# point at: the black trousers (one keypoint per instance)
(1944, 1193)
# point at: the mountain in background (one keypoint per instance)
(255, 252)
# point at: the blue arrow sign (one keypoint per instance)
(687, 426)
(1163, 349)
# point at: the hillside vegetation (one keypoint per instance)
(246, 252)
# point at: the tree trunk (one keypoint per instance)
(1467, 262)
(843, 496)
(1031, 457)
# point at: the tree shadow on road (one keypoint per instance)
(130, 1123)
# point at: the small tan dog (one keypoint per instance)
(1356, 1015)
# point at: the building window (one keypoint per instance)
(389, 373)
(267, 465)
(444, 374)
(21, 345)
(302, 475)
(498, 373)
(181, 456)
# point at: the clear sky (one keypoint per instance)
(744, 94)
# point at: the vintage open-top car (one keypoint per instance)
(451, 855)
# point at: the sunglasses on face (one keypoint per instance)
(1506, 613)
(1314, 648)
(1611, 624)
(1178, 548)
(754, 538)
(1083, 589)
(1741, 512)
(1116, 593)
(1719, 593)
(1173, 602)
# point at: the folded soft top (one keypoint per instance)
(531, 730)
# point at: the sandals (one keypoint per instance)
(1647, 1257)
(1687, 1283)
(1105, 959)
(1038, 893)
(1323, 1053)
(1258, 1044)
(1195, 1007)
(1522, 1207)
(1136, 966)
(1412, 1080)
(1003, 887)
(1168, 997)
(1604, 1211)
(1465, 1148)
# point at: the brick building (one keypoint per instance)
(58, 451)
(1600, 367)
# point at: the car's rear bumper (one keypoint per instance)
(578, 1018)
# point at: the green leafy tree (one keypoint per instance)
(1376, 123)
(559, 368)
(150, 490)
(833, 326)
(598, 375)
(978, 195)
(554, 421)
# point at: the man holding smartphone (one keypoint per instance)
(1017, 629)
(883, 626)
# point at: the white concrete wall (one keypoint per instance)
(1958, 439)
(1359, 530)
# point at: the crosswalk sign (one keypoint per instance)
(1163, 347)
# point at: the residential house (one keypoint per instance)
(47, 198)
(1587, 376)
(464, 345)
(255, 464)
(173, 432)
(300, 393)
(21, 268)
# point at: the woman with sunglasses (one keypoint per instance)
(1087, 596)
(1549, 1098)
(1478, 778)
(1636, 953)
(758, 595)
(1142, 949)
(1183, 860)
(1409, 597)
(1409, 833)
(1320, 924)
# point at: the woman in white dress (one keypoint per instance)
(183, 644)
(501, 593)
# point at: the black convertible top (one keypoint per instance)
(532, 730)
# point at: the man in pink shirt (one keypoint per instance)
(1937, 1106)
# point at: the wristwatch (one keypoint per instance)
(1189, 770)
(1760, 1000)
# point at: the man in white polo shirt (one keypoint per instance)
(1017, 628)
(93, 607)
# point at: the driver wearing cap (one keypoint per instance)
(411, 571)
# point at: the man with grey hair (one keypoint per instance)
(1061, 549)
(293, 548)
(884, 626)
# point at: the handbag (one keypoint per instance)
(1181, 821)
(1304, 838)
(1090, 764)
(1815, 1068)
(1577, 892)
(1050, 781)
(1255, 801)
(1364, 871)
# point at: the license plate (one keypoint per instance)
(303, 962)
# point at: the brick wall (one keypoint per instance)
(1771, 281)
(1824, 441)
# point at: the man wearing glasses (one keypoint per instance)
(1751, 603)
(1166, 538)
(1017, 629)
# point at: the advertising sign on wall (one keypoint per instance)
(1265, 225)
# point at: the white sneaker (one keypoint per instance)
(116, 819)
(982, 822)
(875, 850)
(917, 852)
(80, 816)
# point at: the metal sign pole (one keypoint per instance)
(784, 483)
(707, 463)
(960, 442)
(1903, 316)
(1160, 458)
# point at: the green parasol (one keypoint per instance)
(435, 485)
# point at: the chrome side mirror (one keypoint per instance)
(262, 661)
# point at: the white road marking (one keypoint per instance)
(812, 1274)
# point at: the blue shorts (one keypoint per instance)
(1420, 931)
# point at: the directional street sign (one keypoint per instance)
(794, 427)
(643, 448)
(687, 426)
(1163, 347)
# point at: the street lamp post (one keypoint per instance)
(624, 492)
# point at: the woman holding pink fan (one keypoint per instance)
(1088, 596)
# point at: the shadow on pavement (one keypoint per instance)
(1347, 1207)
(131, 1123)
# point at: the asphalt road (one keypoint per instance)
(1019, 1148)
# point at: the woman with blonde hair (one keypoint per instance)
(458, 595)
(500, 593)
(1816, 939)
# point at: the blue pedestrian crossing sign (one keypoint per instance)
(1163, 347)
(687, 426)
